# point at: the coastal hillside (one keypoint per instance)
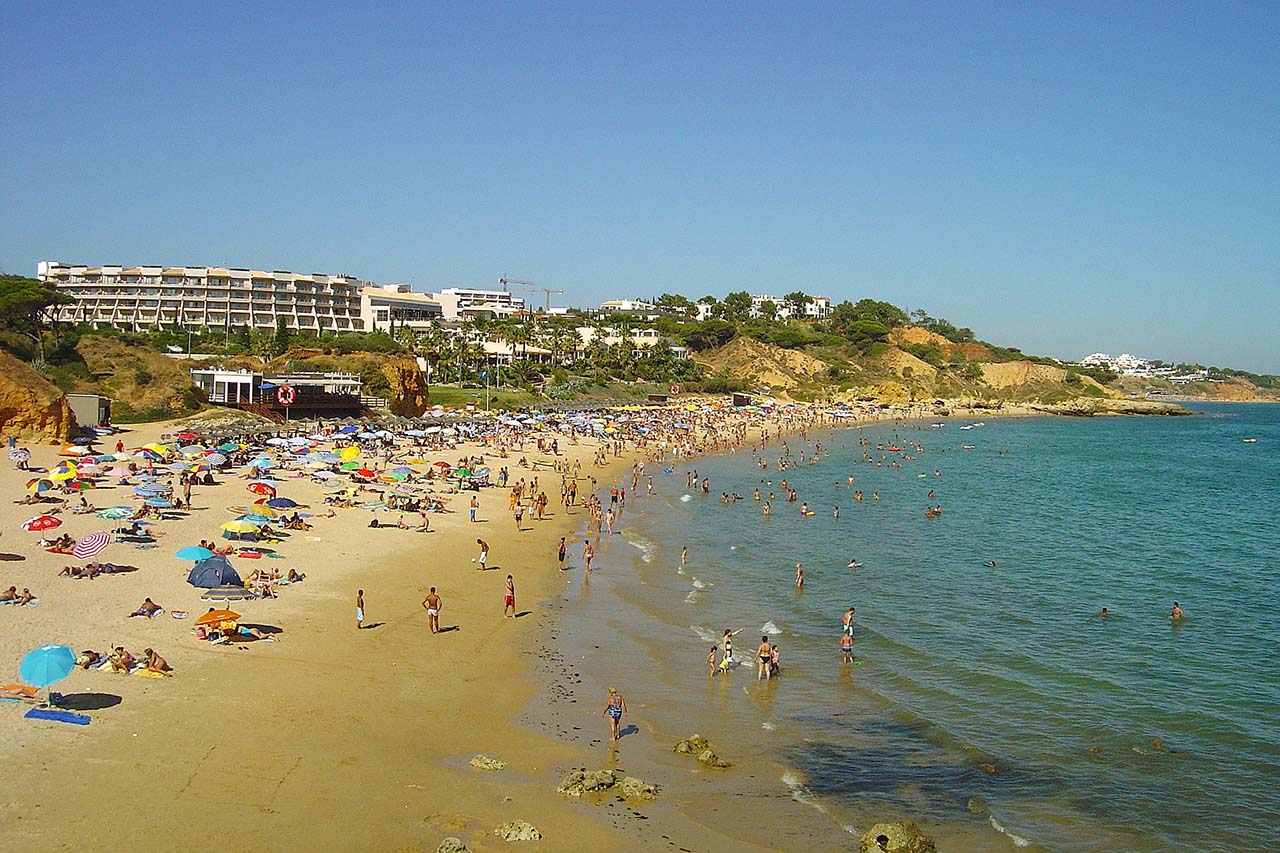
(31, 407)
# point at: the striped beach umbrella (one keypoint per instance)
(40, 484)
(91, 546)
(64, 471)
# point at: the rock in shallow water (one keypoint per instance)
(635, 789)
(484, 762)
(898, 837)
(692, 745)
(517, 830)
(581, 782)
(709, 758)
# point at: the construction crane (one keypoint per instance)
(506, 281)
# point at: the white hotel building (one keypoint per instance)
(144, 297)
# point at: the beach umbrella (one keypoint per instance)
(259, 488)
(74, 450)
(364, 472)
(19, 454)
(115, 512)
(159, 503)
(80, 485)
(191, 450)
(41, 522)
(91, 546)
(187, 435)
(194, 552)
(144, 453)
(240, 526)
(228, 447)
(215, 616)
(261, 462)
(227, 593)
(443, 465)
(401, 473)
(64, 471)
(299, 441)
(47, 665)
(348, 429)
(348, 453)
(324, 475)
(156, 447)
(282, 503)
(40, 484)
(254, 518)
(215, 459)
(277, 442)
(349, 465)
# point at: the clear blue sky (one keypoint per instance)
(1063, 177)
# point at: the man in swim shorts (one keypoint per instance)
(484, 553)
(432, 605)
(359, 609)
(509, 598)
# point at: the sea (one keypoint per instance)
(990, 703)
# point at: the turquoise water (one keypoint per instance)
(991, 697)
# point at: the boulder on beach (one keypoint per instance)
(711, 759)
(484, 762)
(897, 837)
(636, 789)
(692, 745)
(517, 830)
(452, 845)
(581, 782)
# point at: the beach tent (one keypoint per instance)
(213, 571)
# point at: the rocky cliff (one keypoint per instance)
(31, 407)
(408, 395)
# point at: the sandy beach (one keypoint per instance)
(328, 734)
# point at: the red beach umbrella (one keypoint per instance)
(41, 522)
(262, 489)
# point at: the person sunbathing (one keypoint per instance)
(155, 663)
(19, 694)
(295, 576)
(10, 594)
(25, 598)
(234, 629)
(88, 659)
(122, 661)
(148, 608)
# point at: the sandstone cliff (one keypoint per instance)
(408, 396)
(31, 407)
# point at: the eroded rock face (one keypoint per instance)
(484, 762)
(897, 837)
(452, 845)
(31, 407)
(517, 830)
(409, 397)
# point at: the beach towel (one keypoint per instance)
(179, 614)
(146, 673)
(57, 716)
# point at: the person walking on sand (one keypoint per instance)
(615, 709)
(561, 550)
(764, 659)
(509, 598)
(359, 609)
(432, 605)
(483, 559)
(475, 505)
(587, 553)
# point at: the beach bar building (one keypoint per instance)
(284, 396)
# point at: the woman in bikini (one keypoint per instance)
(764, 659)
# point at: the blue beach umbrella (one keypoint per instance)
(159, 503)
(282, 503)
(348, 429)
(47, 665)
(261, 462)
(194, 552)
(254, 518)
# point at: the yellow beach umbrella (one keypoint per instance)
(349, 453)
(240, 527)
(64, 471)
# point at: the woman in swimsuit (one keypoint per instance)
(615, 709)
(727, 660)
(764, 657)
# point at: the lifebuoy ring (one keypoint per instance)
(674, 389)
(286, 395)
